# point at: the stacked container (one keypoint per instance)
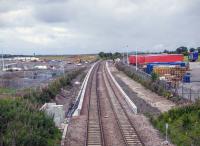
(186, 78)
(150, 67)
(150, 58)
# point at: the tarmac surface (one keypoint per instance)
(195, 76)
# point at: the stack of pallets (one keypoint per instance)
(170, 72)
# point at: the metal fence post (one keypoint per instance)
(198, 94)
(182, 91)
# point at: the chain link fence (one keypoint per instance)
(178, 90)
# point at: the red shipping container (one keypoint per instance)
(140, 59)
(163, 58)
(144, 59)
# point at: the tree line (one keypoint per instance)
(11, 56)
(182, 50)
(104, 55)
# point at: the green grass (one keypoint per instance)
(184, 125)
(7, 91)
(69, 57)
(21, 124)
(54, 57)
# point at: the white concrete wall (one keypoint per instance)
(56, 111)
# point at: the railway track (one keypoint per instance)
(127, 129)
(94, 136)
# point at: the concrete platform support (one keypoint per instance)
(56, 111)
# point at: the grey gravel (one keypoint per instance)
(143, 107)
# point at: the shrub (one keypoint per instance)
(184, 125)
(154, 76)
(22, 125)
(186, 122)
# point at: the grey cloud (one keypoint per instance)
(51, 12)
(74, 26)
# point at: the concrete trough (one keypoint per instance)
(128, 100)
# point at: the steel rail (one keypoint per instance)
(94, 136)
(126, 127)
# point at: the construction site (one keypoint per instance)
(24, 72)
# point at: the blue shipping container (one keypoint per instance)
(186, 78)
(193, 56)
(150, 66)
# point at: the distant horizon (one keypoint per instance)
(146, 52)
(46, 54)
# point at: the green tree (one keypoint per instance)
(117, 55)
(102, 54)
(182, 50)
(166, 51)
(192, 49)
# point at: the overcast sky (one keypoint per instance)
(90, 26)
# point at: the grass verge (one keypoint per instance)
(21, 124)
(184, 124)
(7, 91)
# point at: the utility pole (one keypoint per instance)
(127, 54)
(136, 59)
(2, 60)
(123, 58)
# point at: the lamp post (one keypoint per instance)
(123, 58)
(127, 55)
(136, 59)
(2, 60)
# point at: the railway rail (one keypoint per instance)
(94, 133)
(130, 136)
(94, 136)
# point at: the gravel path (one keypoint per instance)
(151, 98)
(76, 131)
(143, 107)
(149, 135)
